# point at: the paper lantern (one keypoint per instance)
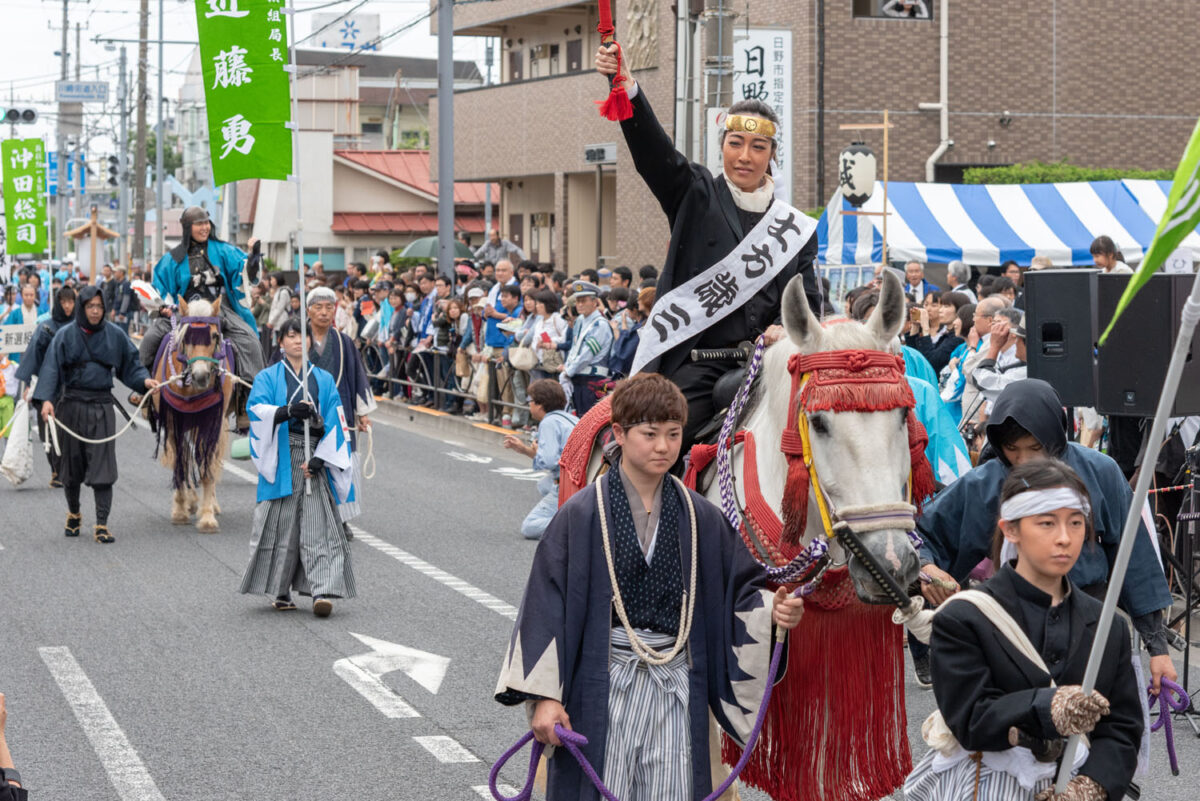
(856, 173)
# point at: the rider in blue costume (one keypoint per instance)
(202, 266)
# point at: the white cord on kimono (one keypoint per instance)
(369, 459)
(686, 606)
(54, 425)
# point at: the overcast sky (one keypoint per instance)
(31, 35)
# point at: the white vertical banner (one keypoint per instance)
(762, 63)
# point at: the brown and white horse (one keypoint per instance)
(191, 410)
(830, 401)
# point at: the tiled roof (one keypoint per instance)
(411, 167)
(387, 222)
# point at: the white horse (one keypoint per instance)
(844, 689)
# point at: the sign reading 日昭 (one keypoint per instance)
(243, 54)
(762, 61)
(24, 165)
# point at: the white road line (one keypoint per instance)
(420, 565)
(124, 767)
(446, 749)
(437, 574)
(245, 475)
(370, 687)
(506, 790)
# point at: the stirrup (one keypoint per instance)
(100, 533)
(72, 527)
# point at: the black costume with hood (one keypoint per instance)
(957, 525)
(77, 377)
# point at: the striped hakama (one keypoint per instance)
(648, 753)
(298, 542)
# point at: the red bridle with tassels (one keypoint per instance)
(845, 381)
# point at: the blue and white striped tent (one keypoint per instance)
(986, 225)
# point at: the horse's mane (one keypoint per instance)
(200, 308)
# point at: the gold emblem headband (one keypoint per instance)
(756, 126)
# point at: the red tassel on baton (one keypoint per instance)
(617, 106)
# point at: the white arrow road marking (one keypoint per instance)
(520, 473)
(405, 558)
(424, 668)
(506, 790)
(446, 749)
(365, 672)
(469, 457)
(124, 767)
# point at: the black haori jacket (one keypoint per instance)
(984, 687)
(705, 227)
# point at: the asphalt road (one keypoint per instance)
(135, 672)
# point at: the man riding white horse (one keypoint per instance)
(734, 245)
(202, 266)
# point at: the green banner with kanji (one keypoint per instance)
(24, 167)
(243, 53)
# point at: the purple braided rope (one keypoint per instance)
(572, 741)
(724, 460)
(1170, 698)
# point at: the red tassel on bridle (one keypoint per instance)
(617, 106)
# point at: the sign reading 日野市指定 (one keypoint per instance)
(243, 55)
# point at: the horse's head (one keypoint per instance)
(855, 401)
(200, 339)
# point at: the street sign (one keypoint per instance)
(350, 32)
(73, 182)
(600, 154)
(81, 91)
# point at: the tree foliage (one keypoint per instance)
(1040, 172)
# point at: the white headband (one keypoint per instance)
(1037, 502)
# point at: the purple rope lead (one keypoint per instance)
(573, 740)
(1170, 698)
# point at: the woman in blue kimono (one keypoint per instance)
(643, 612)
(298, 542)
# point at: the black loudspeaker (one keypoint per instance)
(1060, 325)
(1132, 365)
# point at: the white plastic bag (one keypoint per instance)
(17, 464)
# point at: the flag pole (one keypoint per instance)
(1190, 317)
(295, 178)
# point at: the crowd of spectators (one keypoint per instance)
(472, 343)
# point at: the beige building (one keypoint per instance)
(1045, 81)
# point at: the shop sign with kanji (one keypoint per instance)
(243, 54)
(24, 165)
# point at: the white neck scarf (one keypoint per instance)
(756, 201)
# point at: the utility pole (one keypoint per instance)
(445, 97)
(123, 163)
(159, 178)
(77, 163)
(137, 181)
(61, 148)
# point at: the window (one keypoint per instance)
(515, 64)
(555, 67)
(894, 9)
(372, 127)
(575, 55)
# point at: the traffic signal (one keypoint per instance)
(26, 116)
(114, 170)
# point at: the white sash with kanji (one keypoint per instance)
(690, 308)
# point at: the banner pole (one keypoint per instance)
(1190, 317)
(295, 178)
